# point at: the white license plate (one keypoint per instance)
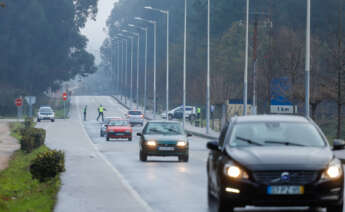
(164, 148)
(285, 190)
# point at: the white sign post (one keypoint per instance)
(31, 100)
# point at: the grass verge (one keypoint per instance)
(18, 191)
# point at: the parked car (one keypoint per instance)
(164, 138)
(45, 113)
(104, 125)
(274, 160)
(177, 112)
(135, 117)
(119, 129)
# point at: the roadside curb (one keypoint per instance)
(188, 131)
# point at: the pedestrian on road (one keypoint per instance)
(198, 112)
(85, 110)
(101, 110)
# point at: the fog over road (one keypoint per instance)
(161, 184)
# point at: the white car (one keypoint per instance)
(190, 112)
(45, 113)
(135, 117)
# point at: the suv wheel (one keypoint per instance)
(142, 156)
(223, 205)
(336, 208)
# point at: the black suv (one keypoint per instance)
(274, 160)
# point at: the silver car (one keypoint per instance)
(45, 113)
(104, 125)
(135, 117)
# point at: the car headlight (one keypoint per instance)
(181, 143)
(151, 143)
(235, 172)
(333, 171)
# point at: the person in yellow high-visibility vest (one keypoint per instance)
(101, 110)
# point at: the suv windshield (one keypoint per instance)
(135, 113)
(276, 133)
(163, 129)
(45, 110)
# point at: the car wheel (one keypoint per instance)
(183, 158)
(107, 138)
(52, 120)
(142, 156)
(101, 134)
(130, 139)
(192, 117)
(210, 198)
(335, 208)
(170, 117)
(38, 120)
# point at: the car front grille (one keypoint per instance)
(295, 177)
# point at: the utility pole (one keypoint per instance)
(184, 62)
(208, 98)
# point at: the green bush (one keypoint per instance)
(28, 123)
(47, 165)
(32, 138)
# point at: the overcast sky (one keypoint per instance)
(94, 29)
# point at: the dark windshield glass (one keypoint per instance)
(118, 123)
(164, 128)
(275, 133)
(135, 113)
(45, 110)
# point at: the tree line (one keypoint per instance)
(42, 46)
(279, 41)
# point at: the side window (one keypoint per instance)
(223, 135)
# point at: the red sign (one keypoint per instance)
(64, 96)
(19, 102)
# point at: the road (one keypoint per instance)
(161, 184)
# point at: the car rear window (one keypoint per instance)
(135, 113)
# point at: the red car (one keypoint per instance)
(119, 128)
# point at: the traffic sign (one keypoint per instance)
(19, 102)
(64, 96)
(31, 100)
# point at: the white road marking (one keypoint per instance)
(133, 192)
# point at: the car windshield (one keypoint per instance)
(276, 133)
(135, 113)
(45, 110)
(118, 123)
(163, 128)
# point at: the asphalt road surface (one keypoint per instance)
(163, 184)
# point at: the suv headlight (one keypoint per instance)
(181, 143)
(333, 171)
(234, 171)
(151, 143)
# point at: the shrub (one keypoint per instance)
(32, 138)
(28, 123)
(47, 165)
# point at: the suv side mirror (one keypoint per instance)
(338, 144)
(139, 134)
(212, 145)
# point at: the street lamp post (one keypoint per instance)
(307, 63)
(208, 69)
(245, 85)
(154, 61)
(184, 62)
(131, 80)
(125, 53)
(166, 12)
